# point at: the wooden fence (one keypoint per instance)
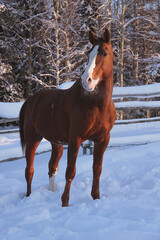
(140, 94)
(145, 97)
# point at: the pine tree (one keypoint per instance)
(12, 50)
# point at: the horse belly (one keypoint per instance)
(53, 125)
(54, 133)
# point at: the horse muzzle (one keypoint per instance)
(89, 84)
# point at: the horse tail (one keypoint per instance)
(21, 125)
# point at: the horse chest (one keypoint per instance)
(91, 123)
(102, 123)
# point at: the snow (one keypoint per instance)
(136, 104)
(66, 85)
(137, 90)
(138, 133)
(129, 207)
(2, 7)
(152, 89)
(141, 18)
(11, 110)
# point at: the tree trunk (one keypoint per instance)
(122, 52)
(135, 45)
(30, 48)
(67, 62)
(56, 14)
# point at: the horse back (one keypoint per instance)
(45, 113)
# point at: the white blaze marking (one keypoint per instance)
(52, 183)
(90, 85)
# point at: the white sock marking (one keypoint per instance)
(52, 184)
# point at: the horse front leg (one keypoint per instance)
(57, 151)
(99, 149)
(73, 149)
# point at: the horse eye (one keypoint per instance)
(104, 54)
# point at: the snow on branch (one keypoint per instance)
(141, 17)
(35, 79)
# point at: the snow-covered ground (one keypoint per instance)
(127, 134)
(129, 208)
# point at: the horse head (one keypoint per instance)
(100, 64)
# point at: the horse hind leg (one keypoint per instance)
(57, 151)
(30, 151)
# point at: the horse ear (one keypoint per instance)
(92, 38)
(106, 36)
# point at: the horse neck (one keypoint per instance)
(102, 96)
(106, 89)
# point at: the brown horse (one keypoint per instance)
(84, 111)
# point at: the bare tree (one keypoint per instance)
(44, 42)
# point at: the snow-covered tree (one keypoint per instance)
(136, 22)
(12, 50)
(44, 42)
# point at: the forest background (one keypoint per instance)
(43, 43)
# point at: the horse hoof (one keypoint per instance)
(65, 205)
(95, 196)
(65, 201)
(28, 194)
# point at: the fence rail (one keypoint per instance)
(117, 122)
(119, 93)
(137, 104)
(8, 120)
(142, 100)
(144, 91)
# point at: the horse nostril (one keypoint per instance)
(89, 80)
